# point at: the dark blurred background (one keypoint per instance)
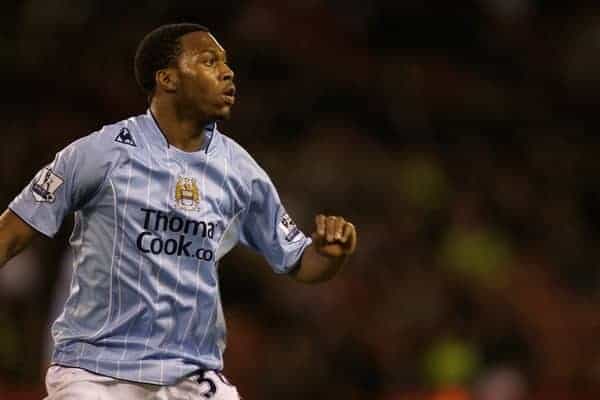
(460, 138)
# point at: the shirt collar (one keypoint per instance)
(159, 137)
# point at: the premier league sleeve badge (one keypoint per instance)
(45, 185)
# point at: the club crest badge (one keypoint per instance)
(187, 196)
(45, 186)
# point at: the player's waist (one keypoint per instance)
(156, 366)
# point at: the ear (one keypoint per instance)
(167, 79)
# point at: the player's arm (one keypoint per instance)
(333, 242)
(65, 185)
(15, 235)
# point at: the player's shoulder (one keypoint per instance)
(241, 160)
(124, 135)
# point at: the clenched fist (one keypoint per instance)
(334, 236)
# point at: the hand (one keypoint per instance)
(334, 236)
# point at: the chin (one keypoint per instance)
(223, 115)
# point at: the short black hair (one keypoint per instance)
(159, 49)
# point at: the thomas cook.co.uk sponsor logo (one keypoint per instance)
(150, 241)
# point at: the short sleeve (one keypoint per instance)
(269, 230)
(61, 187)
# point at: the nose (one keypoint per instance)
(227, 73)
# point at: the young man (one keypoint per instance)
(159, 199)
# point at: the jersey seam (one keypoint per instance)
(105, 324)
(102, 184)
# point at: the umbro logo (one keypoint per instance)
(125, 137)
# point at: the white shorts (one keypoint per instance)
(65, 383)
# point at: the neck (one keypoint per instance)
(181, 131)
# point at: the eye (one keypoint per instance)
(208, 59)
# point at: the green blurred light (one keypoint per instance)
(450, 362)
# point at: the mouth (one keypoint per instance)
(229, 95)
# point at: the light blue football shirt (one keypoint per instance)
(151, 224)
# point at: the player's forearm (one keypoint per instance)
(8, 248)
(5, 255)
(15, 235)
(316, 267)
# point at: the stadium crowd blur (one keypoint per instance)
(460, 137)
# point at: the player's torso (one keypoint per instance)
(173, 208)
(150, 243)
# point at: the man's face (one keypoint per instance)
(205, 84)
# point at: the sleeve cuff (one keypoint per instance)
(36, 227)
(291, 268)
